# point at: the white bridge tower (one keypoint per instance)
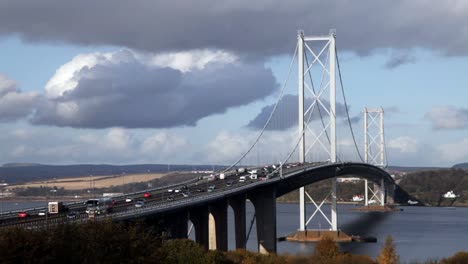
(374, 149)
(327, 66)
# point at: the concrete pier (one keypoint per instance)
(238, 206)
(217, 226)
(264, 201)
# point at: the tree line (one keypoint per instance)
(139, 243)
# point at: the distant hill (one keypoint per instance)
(24, 172)
(20, 164)
(461, 166)
(412, 169)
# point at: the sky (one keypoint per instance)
(192, 82)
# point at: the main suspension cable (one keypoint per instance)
(346, 105)
(280, 96)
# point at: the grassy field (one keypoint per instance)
(79, 183)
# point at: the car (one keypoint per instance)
(23, 214)
(128, 200)
(186, 194)
(170, 190)
(176, 190)
(170, 198)
(42, 213)
(147, 195)
(229, 183)
(184, 187)
(73, 215)
(139, 204)
(200, 190)
(211, 188)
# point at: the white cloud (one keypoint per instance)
(448, 117)
(404, 144)
(453, 152)
(226, 147)
(19, 151)
(116, 139)
(274, 146)
(64, 77)
(186, 61)
(164, 144)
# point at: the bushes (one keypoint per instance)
(458, 258)
(388, 254)
(138, 243)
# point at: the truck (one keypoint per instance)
(253, 174)
(56, 207)
(99, 206)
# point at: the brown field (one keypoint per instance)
(86, 182)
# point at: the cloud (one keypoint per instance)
(261, 29)
(404, 144)
(14, 104)
(455, 152)
(448, 117)
(139, 90)
(399, 59)
(164, 143)
(115, 146)
(286, 114)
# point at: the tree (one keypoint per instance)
(325, 251)
(388, 254)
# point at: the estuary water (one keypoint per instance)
(420, 233)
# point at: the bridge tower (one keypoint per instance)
(374, 149)
(327, 44)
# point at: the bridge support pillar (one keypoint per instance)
(264, 202)
(382, 192)
(217, 226)
(178, 224)
(199, 218)
(238, 206)
(366, 192)
(334, 216)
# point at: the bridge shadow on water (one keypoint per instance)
(364, 226)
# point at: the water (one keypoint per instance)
(14, 206)
(420, 233)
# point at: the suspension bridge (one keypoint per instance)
(307, 137)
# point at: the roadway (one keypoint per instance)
(191, 193)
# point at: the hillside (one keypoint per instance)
(430, 186)
(461, 166)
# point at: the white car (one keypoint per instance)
(128, 200)
(42, 213)
(176, 190)
(170, 190)
(139, 204)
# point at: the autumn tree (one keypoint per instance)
(388, 254)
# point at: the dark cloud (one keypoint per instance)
(399, 59)
(286, 114)
(260, 28)
(122, 90)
